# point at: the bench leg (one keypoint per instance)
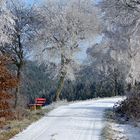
(33, 107)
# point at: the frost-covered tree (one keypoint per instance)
(123, 20)
(6, 24)
(27, 21)
(66, 24)
(110, 71)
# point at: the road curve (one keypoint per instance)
(77, 121)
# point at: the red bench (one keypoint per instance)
(39, 102)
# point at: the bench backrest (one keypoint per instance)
(40, 101)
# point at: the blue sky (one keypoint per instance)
(98, 1)
(32, 1)
(84, 46)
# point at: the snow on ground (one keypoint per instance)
(77, 121)
(125, 132)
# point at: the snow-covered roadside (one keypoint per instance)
(125, 132)
(115, 130)
(55, 105)
(77, 121)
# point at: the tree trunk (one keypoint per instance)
(18, 87)
(116, 87)
(115, 82)
(19, 63)
(60, 86)
(62, 78)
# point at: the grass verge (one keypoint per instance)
(13, 127)
(110, 130)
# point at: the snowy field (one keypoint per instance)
(77, 121)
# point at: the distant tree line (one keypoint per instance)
(38, 83)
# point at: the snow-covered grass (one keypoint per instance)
(56, 104)
(127, 131)
(116, 130)
(13, 127)
(110, 132)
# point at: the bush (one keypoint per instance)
(8, 81)
(130, 107)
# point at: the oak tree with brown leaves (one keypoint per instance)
(7, 82)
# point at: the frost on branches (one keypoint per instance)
(6, 24)
(123, 22)
(66, 24)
